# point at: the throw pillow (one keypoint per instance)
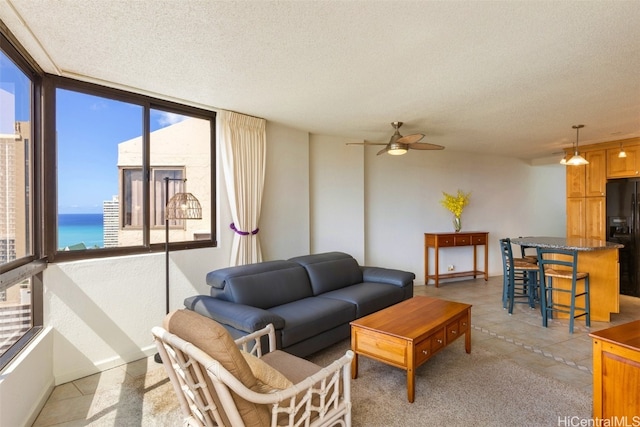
(212, 338)
(270, 378)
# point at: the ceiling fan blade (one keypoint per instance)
(410, 139)
(425, 146)
(384, 150)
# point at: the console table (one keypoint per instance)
(445, 240)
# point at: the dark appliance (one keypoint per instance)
(623, 226)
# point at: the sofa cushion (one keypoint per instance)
(368, 297)
(329, 271)
(310, 316)
(210, 337)
(263, 285)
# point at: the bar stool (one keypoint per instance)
(519, 274)
(532, 257)
(562, 264)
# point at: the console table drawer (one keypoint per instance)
(478, 239)
(446, 241)
(463, 240)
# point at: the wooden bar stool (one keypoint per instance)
(562, 264)
(520, 279)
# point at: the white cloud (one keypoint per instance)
(167, 119)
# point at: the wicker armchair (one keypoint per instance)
(211, 395)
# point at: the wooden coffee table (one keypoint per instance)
(407, 334)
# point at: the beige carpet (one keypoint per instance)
(452, 389)
(459, 389)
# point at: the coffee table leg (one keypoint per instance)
(411, 386)
(467, 340)
(354, 366)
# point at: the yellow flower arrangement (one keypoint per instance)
(456, 203)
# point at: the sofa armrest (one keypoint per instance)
(239, 316)
(386, 275)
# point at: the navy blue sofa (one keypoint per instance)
(309, 299)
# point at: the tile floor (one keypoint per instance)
(97, 400)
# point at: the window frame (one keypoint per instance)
(51, 83)
(32, 265)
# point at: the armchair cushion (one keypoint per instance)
(213, 339)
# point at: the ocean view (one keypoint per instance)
(80, 228)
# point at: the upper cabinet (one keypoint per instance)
(623, 167)
(586, 185)
(576, 181)
(588, 180)
(596, 173)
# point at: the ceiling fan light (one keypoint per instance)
(397, 151)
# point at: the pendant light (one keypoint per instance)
(622, 154)
(577, 159)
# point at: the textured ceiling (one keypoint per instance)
(507, 77)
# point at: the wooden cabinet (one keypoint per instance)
(576, 216)
(588, 180)
(616, 373)
(576, 181)
(586, 217)
(586, 199)
(595, 173)
(595, 218)
(626, 167)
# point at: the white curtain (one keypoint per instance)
(243, 147)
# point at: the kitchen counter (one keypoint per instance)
(566, 243)
(597, 257)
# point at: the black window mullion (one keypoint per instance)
(146, 160)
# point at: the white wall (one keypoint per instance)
(337, 204)
(401, 202)
(284, 223)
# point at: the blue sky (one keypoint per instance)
(89, 129)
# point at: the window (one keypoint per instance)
(20, 271)
(132, 194)
(113, 152)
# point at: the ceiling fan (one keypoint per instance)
(399, 144)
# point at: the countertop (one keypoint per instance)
(574, 243)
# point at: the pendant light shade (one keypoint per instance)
(577, 159)
(183, 206)
(622, 154)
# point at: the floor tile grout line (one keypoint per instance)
(533, 349)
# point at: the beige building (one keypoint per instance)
(15, 301)
(181, 150)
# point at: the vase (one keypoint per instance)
(457, 224)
